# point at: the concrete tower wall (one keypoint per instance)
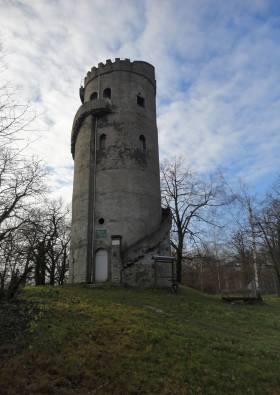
(80, 203)
(116, 174)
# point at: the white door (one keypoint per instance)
(101, 266)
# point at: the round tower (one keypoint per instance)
(116, 204)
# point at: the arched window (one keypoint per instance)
(142, 143)
(140, 100)
(102, 141)
(94, 96)
(107, 93)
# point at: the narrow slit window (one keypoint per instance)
(140, 101)
(107, 93)
(142, 143)
(94, 96)
(102, 141)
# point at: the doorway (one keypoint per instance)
(101, 266)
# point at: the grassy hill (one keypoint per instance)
(79, 340)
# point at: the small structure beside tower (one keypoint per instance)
(118, 224)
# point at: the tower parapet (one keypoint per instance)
(139, 67)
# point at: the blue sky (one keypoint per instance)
(217, 68)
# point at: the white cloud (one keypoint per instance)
(217, 67)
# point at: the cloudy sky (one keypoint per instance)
(217, 67)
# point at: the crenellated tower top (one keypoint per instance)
(138, 67)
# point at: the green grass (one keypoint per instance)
(79, 340)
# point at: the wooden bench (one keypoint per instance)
(242, 298)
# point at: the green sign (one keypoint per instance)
(101, 233)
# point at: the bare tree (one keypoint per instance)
(268, 223)
(240, 244)
(34, 238)
(21, 185)
(15, 261)
(248, 203)
(190, 200)
(58, 225)
(51, 238)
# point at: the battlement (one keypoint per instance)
(139, 67)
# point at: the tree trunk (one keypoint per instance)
(52, 273)
(179, 259)
(40, 265)
(277, 275)
(179, 267)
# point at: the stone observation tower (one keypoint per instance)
(118, 223)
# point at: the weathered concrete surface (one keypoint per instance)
(138, 264)
(116, 176)
(96, 107)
